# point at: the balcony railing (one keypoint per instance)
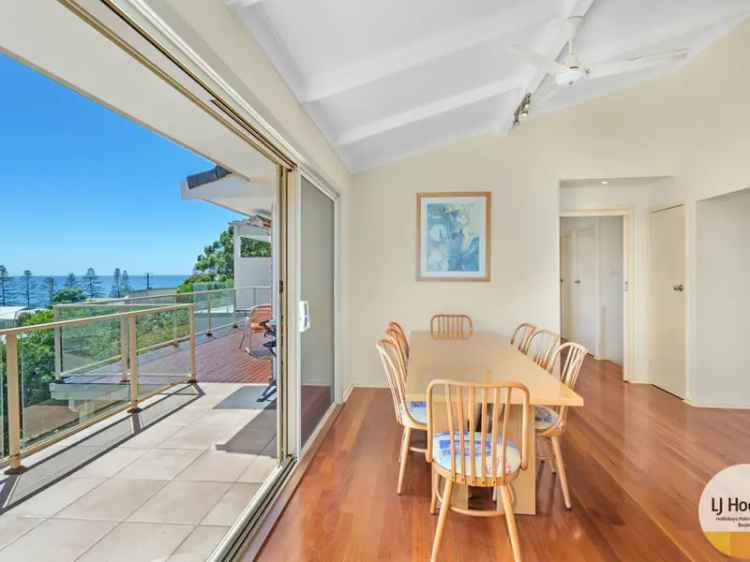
(120, 360)
(213, 309)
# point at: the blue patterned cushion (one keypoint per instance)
(441, 452)
(418, 410)
(544, 418)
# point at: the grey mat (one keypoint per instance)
(246, 398)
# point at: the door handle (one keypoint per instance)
(303, 316)
(679, 288)
(577, 281)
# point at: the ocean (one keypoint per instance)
(16, 287)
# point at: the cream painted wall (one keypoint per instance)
(692, 125)
(723, 278)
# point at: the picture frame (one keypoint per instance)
(454, 236)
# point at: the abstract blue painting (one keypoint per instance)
(453, 236)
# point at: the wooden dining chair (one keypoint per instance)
(541, 346)
(396, 332)
(520, 339)
(257, 314)
(549, 423)
(475, 452)
(410, 415)
(452, 326)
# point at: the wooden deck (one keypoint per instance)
(220, 359)
(638, 459)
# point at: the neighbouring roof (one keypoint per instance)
(10, 312)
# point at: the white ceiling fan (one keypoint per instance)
(572, 70)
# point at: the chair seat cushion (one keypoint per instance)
(544, 418)
(441, 452)
(418, 410)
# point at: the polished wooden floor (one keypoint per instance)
(637, 459)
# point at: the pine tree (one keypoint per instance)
(116, 291)
(125, 282)
(92, 285)
(28, 286)
(70, 281)
(50, 285)
(5, 281)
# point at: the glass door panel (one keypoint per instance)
(316, 312)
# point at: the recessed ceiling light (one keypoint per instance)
(604, 182)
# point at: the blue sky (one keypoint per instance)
(82, 186)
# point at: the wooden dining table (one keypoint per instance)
(488, 357)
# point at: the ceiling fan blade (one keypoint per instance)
(550, 66)
(634, 65)
(581, 8)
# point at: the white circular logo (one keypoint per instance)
(724, 511)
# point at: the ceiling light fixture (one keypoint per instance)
(522, 111)
(604, 182)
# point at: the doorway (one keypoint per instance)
(594, 265)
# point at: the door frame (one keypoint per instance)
(628, 270)
(335, 197)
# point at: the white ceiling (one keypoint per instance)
(387, 78)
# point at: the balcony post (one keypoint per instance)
(58, 344)
(209, 331)
(175, 341)
(133, 352)
(124, 349)
(234, 307)
(14, 406)
(193, 360)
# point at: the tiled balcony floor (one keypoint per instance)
(167, 492)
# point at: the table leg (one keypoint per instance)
(524, 487)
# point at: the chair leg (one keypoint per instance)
(552, 460)
(561, 468)
(433, 498)
(404, 457)
(510, 519)
(445, 507)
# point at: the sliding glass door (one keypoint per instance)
(316, 307)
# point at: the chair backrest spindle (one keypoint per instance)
(494, 403)
(569, 356)
(451, 326)
(395, 374)
(541, 345)
(521, 336)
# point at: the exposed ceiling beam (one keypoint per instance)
(242, 3)
(376, 68)
(426, 111)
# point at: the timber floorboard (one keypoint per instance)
(637, 458)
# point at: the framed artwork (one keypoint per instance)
(453, 236)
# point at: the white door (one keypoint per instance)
(667, 328)
(584, 288)
(567, 273)
(578, 286)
